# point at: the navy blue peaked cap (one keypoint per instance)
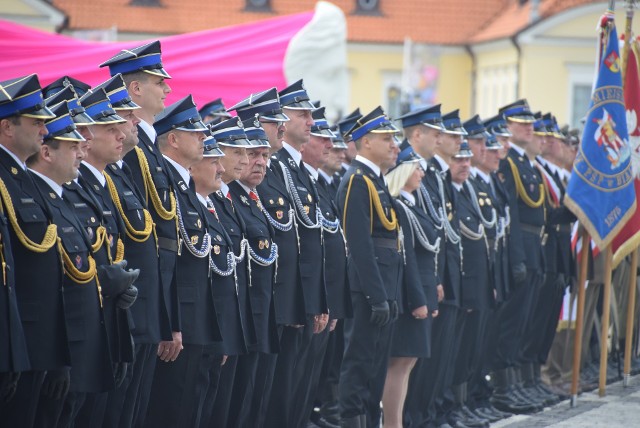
(146, 58)
(181, 115)
(265, 105)
(429, 116)
(79, 86)
(97, 106)
(231, 133)
(22, 96)
(321, 127)
(295, 97)
(62, 127)
(452, 124)
(118, 94)
(475, 128)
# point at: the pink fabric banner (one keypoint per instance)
(229, 62)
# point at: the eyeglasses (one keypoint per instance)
(278, 123)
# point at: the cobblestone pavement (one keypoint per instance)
(620, 407)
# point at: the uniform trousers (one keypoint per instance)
(251, 389)
(281, 407)
(513, 319)
(428, 376)
(330, 375)
(70, 410)
(445, 401)
(469, 358)
(364, 364)
(21, 410)
(479, 390)
(92, 412)
(540, 308)
(308, 373)
(546, 316)
(179, 388)
(215, 412)
(127, 406)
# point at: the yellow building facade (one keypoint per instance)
(551, 63)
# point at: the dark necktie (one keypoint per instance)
(212, 208)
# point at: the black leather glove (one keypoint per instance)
(8, 385)
(115, 279)
(519, 272)
(119, 373)
(127, 297)
(380, 313)
(56, 383)
(393, 311)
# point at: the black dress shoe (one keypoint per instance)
(331, 414)
(353, 422)
(321, 422)
(486, 414)
(462, 418)
(502, 415)
(456, 422)
(506, 403)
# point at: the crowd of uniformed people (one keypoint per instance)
(169, 266)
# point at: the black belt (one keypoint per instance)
(536, 230)
(168, 244)
(565, 228)
(385, 243)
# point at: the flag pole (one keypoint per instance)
(627, 38)
(577, 345)
(634, 255)
(604, 333)
(630, 317)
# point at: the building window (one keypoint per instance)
(580, 84)
(145, 3)
(258, 5)
(368, 7)
(579, 104)
(495, 87)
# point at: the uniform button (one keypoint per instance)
(34, 216)
(75, 246)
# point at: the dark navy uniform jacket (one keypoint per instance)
(495, 198)
(91, 364)
(234, 304)
(335, 259)
(14, 356)
(311, 248)
(557, 248)
(198, 315)
(374, 260)
(524, 240)
(226, 289)
(91, 203)
(288, 296)
(260, 234)
(425, 260)
(450, 255)
(166, 229)
(40, 297)
(149, 318)
(477, 289)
